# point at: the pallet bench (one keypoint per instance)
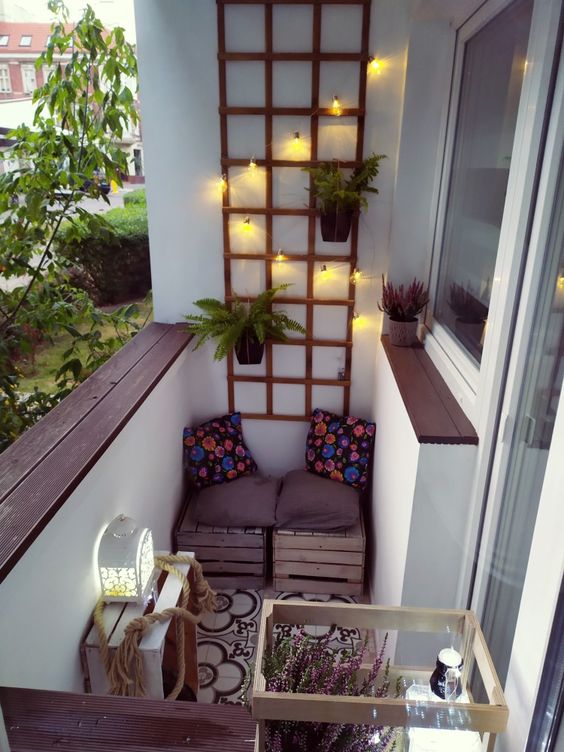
(329, 562)
(231, 557)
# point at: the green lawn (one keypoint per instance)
(49, 356)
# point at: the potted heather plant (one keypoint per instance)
(306, 664)
(339, 196)
(403, 305)
(242, 326)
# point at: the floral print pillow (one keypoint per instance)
(339, 448)
(215, 451)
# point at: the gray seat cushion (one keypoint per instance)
(248, 501)
(308, 502)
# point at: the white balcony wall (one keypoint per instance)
(420, 499)
(179, 94)
(49, 596)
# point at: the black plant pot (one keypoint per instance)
(335, 226)
(249, 351)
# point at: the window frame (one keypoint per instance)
(24, 68)
(471, 383)
(7, 38)
(5, 67)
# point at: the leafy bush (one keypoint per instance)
(137, 197)
(113, 254)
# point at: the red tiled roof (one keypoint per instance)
(39, 33)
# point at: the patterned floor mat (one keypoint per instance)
(227, 641)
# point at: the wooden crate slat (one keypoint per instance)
(240, 582)
(229, 553)
(319, 557)
(215, 539)
(232, 567)
(311, 570)
(320, 542)
(323, 587)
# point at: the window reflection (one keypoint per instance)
(492, 75)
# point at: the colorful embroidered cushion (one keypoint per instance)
(215, 451)
(339, 448)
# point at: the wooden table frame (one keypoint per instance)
(488, 719)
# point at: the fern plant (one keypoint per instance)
(336, 192)
(232, 325)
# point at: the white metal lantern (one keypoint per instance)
(125, 561)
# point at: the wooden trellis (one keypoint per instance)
(314, 112)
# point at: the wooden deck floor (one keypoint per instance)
(37, 720)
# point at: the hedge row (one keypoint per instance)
(111, 267)
(136, 197)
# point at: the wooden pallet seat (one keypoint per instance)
(320, 562)
(231, 557)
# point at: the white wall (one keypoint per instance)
(182, 158)
(396, 458)
(49, 596)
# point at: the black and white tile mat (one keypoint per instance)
(227, 640)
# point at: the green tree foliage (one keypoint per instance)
(83, 111)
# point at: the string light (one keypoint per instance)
(247, 224)
(296, 138)
(336, 108)
(252, 163)
(356, 315)
(223, 183)
(280, 256)
(375, 65)
(355, 276)
(324, 271)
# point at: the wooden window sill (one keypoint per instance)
(435, 415)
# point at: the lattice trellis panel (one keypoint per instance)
(272, 76)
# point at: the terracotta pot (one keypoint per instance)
(403, 333)
(335, 227)
(249, 351)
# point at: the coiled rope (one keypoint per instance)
(125, 669)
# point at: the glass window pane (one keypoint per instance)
(492, 74)
(530, 444)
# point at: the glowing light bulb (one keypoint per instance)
(356, 315)
(223, 183)
(336, 108)
(560, 283)
(247, 224)
(280, 256)
(355, 276)
(324, 271)
(375, 65)
(252, 163)
(296, 138)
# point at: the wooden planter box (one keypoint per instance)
(307, 562)
(231, 557)
(460, 628)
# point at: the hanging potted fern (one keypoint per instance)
(339, 197)
(243, 326)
